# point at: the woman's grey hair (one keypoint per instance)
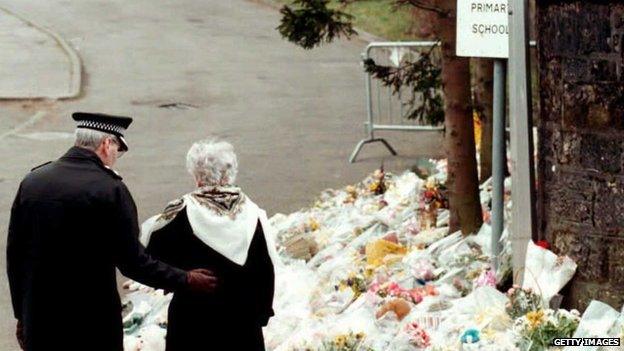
(212, 162)
(90, 139)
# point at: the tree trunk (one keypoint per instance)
(462, 179)
(423, 28)
(483, 101)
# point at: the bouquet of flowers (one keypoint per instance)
(346, 342)
(486, 278)
(390, 289)
(356, 282)
(393, 289)
(378, 185)
(418, 337)
(432, 195)
(352, 194)
(431, 199)
(461, 286)
(423, 270)
(537, 329)
(522, 301)
(418, 294)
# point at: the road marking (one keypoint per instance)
(75, 64)
(45, 136)
(32, 120)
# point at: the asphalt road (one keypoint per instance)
(293, 116)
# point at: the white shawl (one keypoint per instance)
(225, 219)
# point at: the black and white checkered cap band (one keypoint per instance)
(111, 128)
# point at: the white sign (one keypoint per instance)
(482, 28)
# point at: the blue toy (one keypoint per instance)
(470, 336)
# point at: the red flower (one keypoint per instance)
(543, 243)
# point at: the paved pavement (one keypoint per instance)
(293, 116)
(35, 61)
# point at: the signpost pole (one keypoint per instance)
(523, 223)
(498, 29)
(498, 158)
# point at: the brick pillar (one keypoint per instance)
(581, 142)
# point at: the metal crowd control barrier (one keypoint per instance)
(383, 118)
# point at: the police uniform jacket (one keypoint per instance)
(72, 222)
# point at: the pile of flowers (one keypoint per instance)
(361, 259)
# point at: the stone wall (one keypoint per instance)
(581, 142)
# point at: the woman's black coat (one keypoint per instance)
(232, 317)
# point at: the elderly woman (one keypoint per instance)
(216, 227)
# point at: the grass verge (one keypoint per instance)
(377, 17)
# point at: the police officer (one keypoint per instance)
(72, 222)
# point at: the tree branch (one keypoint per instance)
(421, 78)
(309, 23)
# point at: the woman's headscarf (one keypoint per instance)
(222, 217)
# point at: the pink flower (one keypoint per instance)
(416, 296)
(417, 335)
(487, 278)
(431, 290)
(394, 289)
(487, 216)
(374, 288)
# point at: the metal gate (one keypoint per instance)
(385, 110)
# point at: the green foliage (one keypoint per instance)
(311, 22)
(538, 329)
(422, 78)
(378, 17)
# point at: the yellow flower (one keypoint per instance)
(535, 318)
(481, 316)
(351, 190)
(477, 129)
(430, 183)
(488, 333)
(313, 225)
(340, 340)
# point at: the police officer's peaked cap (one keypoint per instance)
(115, 125)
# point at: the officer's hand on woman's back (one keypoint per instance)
(201, 280)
